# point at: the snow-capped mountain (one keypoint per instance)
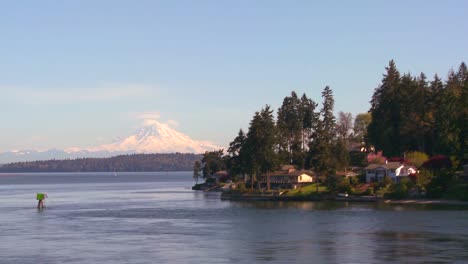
(154, 137)
(157, 137)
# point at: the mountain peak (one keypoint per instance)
(157, 137)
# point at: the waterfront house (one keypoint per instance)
(395, 170)
(221, 176)
(288, 177)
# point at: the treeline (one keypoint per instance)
(132, 163)
(415, 114)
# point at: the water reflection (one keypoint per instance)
(331, 232)
(334, 205)
(420, 247)
(324, 205)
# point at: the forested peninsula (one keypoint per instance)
(129, 163)
(419, 124)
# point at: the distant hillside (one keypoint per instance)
(135, 162)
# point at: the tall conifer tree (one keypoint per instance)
(384, 129)
(290, 125)
(322, 140)
(261, 143)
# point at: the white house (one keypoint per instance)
(288, 177)
(395, 170)
(302, 176)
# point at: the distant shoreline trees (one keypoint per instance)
(129, 163)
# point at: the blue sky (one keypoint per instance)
(80, 73)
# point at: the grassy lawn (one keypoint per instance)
(306, 190)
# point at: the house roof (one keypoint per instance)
(293, 173)
(389, 165)
(373, 166)
(394, 165)
(298, 173)
(221, 173)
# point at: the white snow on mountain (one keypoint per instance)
(157, 137)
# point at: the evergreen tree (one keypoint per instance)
(328, 119)
(309, 119)
(322, 140)
(296, 121)
(289, 126)
(449, 115)
(213, 162)
(421, 107)
(261, 143)
(236, 164)
(384, 129)
(434, 116)
(408, 114)
(462, 75)
(410, 100)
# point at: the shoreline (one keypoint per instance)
(426, 202)
(367, 199)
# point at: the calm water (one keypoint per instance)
(156, 218)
